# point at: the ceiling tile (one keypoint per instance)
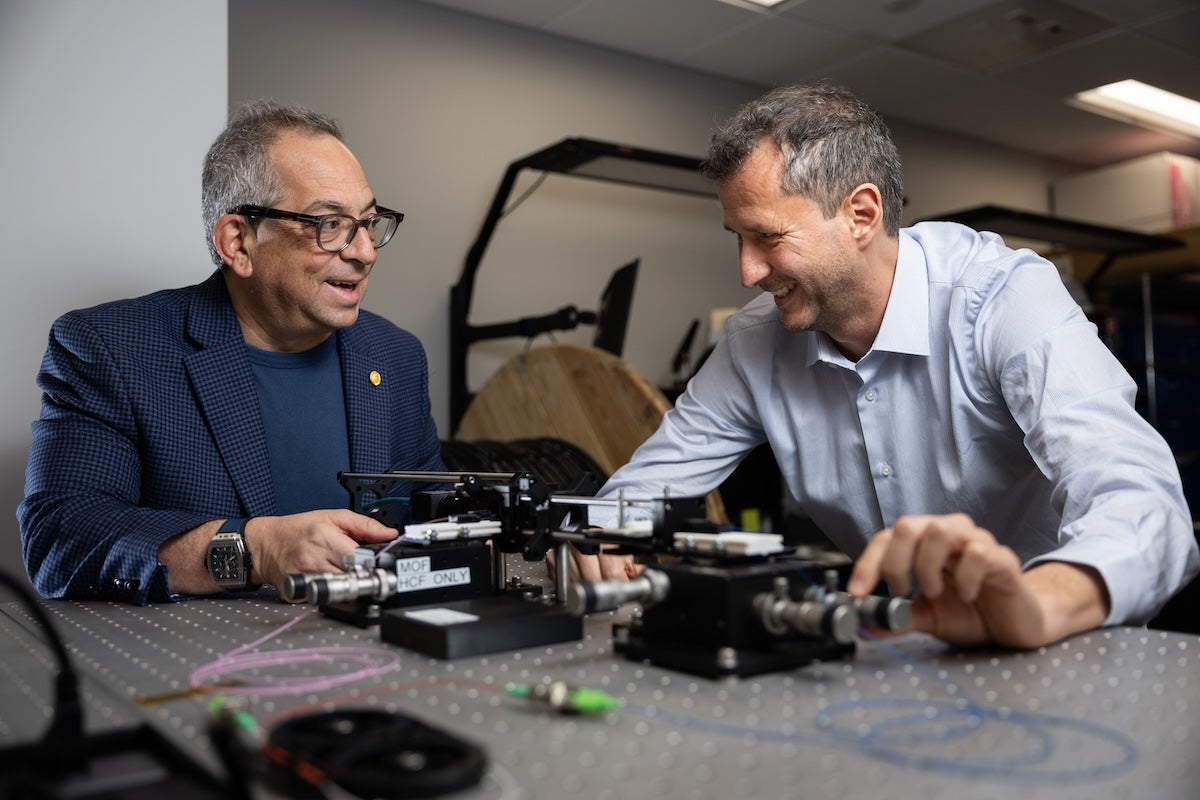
(1180, 30)
(775, 50)
(884, 20)
(1013, 95)
(1132, 12)
(1005, 32)
(652, 28)
(529, 13)
(891, 79)
(1103, 60)
(986, 109)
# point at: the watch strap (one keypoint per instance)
(234, 525)
(237, 525)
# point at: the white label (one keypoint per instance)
(419, 581)
(441, 616)
(412, 566)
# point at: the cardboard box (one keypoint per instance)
(1158, 193)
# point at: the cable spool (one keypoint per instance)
(373, 754)
(583, 396)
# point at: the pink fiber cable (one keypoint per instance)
(235, 666)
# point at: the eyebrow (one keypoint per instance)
(337, 208)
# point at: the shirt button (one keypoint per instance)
(885, 470)
(871, 395)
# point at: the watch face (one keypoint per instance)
(225, 562)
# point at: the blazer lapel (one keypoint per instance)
(368, 416)
(224, 386)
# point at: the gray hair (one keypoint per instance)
(831, 140)
(238, 169)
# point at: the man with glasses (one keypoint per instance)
(189, 440)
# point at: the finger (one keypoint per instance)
(983, 562)
(633, 569)
(896, 563)
(865, 575)
(572, 567)
(338, 552)
(968, 562)
(587, 568)
(337, 562)
(614, 568)
(362, 527)
(936, 550)
(922, 617)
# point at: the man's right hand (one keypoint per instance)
(311, 542)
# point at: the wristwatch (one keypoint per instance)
(228, 557)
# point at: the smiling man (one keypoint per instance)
(189, 440)
(936, 401)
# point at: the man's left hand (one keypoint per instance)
(970, 589)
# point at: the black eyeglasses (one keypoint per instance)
(335, 231)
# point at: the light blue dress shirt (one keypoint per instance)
(986, 391)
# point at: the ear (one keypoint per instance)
(234, 237)
(865, 208)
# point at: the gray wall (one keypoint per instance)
(106, 110)
(436, 104)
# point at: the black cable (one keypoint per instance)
(554, 461)
(63, 749)
(66, 763)
(376, 754)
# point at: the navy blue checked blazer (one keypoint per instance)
(150, 426)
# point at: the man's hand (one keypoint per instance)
(314, 541)
(311, 542)
(590, 569)
(970, 589)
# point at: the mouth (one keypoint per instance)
(349, 289)
(782, 291)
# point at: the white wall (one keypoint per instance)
(106, 110)
(436, 104)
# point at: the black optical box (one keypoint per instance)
(482, 625)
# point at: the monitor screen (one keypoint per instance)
(615, 302)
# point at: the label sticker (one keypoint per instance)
(413, 566)
(419, 581)
(441, 616)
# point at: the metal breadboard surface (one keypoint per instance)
(1108, 714)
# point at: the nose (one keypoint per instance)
(361, 247)
(753, 266)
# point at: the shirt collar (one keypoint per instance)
(905, 326)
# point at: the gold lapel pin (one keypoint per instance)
(375, 378)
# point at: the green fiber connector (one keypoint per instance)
(592, 701)
(568, 699)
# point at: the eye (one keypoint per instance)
(332, 224)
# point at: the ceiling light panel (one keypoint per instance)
(1143, 104)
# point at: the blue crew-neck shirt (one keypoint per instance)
(304, 413)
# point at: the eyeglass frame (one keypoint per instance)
(262, 212)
